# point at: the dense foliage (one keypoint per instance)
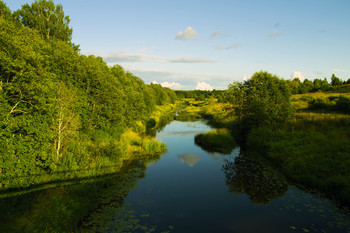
(60, 109)
(263, 99)
(307, 86)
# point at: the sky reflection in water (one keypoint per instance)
(224, 193)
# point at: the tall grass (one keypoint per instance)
(314, 153)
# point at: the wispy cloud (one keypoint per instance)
(341, 70)
(276, 25)
(233, 46)
(274, 34)
(122, 57)
(188, 34)
(219, 34)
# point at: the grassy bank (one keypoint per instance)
(86, 190)
(313, 149)
(217, 140)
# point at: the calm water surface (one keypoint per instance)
(189, 190)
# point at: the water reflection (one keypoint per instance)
(179, 134)
(60, 205)
(250, 176)
(190, 159)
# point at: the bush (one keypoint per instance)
(342, 105)
(264, 99)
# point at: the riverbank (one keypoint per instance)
(82, 198)
(312, 150)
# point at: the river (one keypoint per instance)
(190, 190)
(185, 190)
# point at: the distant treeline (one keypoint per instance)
(57, 106)
(201, 95)
(295, 86)
(307, 86)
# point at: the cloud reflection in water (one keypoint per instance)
(190, 159)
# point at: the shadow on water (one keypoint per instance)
(87, 204)
(252, 177)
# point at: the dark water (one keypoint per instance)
(189, 190)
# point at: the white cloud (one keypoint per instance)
(187, 80)
(188, 34)
(247, 77)
(299, 75)
(123, 57)
(274, 34)
(204, 86)
(154, 82)
(172, 85)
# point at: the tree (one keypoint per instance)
(47, 18)
(335, 81)
(67, 120)
(294, 85)
(307, 86)
(5, 12)
(317, 84)
(263, 99)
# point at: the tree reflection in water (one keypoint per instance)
(255, 178)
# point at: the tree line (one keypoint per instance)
(298, 87)
(55, 103)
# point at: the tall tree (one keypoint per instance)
(335, 80)
(5, 12)
(262, 100)
(47, 18)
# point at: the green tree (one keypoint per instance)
(66, 118)
(47, 18)
(294, 85)
(335, 81)
(5, 12)
(317, 84)
(263, 99)
(307, 86)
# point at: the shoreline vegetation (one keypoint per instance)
(311, 148)
(69, 123)
(70, 126)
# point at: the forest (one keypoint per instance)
(61, 110)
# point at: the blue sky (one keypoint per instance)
(188, 44)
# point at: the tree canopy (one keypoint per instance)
(46, 17)
(56, 105)
(261, 100)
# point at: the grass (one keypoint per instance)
(313, 149)
(312, 153)
(217, 140)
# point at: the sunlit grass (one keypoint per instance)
(217, 140)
